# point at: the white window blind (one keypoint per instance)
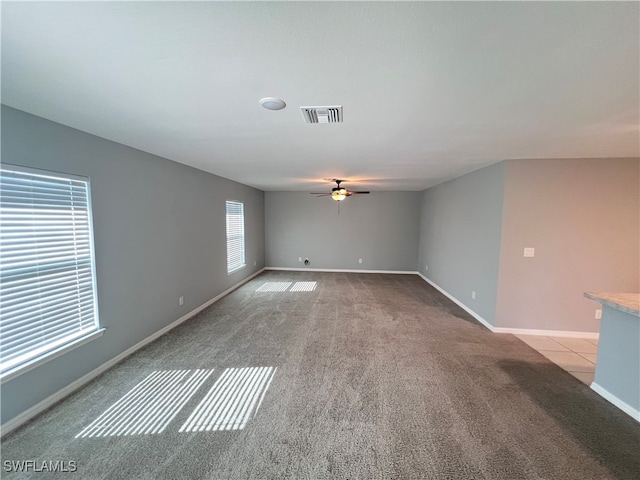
(47, 280)
(235, 236)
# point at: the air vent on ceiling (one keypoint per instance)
(322, 114)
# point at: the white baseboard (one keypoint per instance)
(28, 414)
(513, 331)
(546, 333)
(611, 398)
(341, 270)
(458, 302)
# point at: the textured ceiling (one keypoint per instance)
(430, 90)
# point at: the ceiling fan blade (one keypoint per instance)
(339, 192)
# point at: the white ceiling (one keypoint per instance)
(430, 90)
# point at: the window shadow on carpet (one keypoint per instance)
(151, 406)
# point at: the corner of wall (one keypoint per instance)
(460, 237)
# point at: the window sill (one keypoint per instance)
(229, 272)
(36, 362)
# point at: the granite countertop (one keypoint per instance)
(626, 302)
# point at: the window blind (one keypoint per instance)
(47, 280)
(235, 236)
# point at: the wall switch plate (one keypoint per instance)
(359, 260)
(300, 259)
(529, 252)
(181, 301)
(599, 313)
(255, 263)
(426, 267)
(473, 294)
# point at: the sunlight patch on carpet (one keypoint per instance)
(150, 406)
(274, 287)
(283, 286)
(303, 287)
(232, 400)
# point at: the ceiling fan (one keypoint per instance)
(338, 193)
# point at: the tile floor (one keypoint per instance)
(575, 355)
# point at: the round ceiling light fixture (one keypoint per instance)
(339, 195)
(272, 103)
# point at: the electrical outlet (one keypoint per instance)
(255, 263)
(306, 261)
(529, 252)
(598, 313)
(359, 260)
(426, 267)
(473, 294)
(181, 301)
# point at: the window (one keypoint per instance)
(235, 236)
(47, 268)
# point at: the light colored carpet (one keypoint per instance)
(356, 376)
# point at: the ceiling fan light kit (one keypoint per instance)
(338, 193)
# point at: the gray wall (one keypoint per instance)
(381, 228)
(159, 233)
(618, 367)
(582, 217)
(460, 227)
